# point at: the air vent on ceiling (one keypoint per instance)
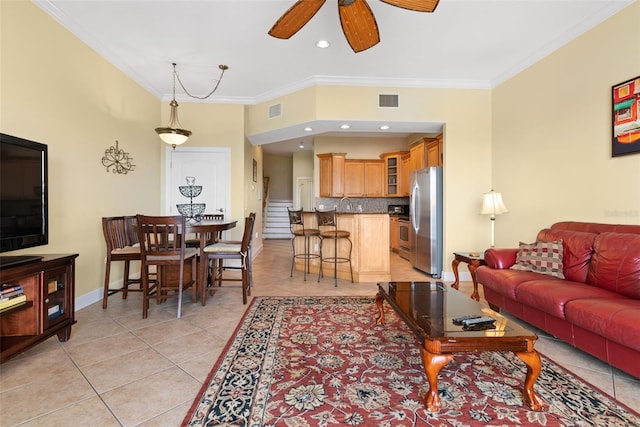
(388, 100)
(275, 110)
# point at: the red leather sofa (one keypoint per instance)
(596, 307)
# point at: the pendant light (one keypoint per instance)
(173, 134)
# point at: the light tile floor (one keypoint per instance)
(120, 370)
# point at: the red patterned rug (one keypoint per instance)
(321, 361)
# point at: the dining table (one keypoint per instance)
(204, 228)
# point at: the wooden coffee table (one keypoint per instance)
(428, 309)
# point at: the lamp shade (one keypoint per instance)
(492, 204)
(173, 136)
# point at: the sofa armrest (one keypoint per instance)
(500, 258)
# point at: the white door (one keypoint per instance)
(304, 193)
(210, 168)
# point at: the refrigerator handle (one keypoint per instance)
(415, 212)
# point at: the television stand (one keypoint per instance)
(12, 260)
(49, 285)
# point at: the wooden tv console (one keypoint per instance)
(49, 285)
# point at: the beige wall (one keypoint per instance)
(279, 169)
(551, 155)
(57, 91)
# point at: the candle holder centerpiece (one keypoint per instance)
(191, 210)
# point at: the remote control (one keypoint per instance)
(477, 320)
(463, 318)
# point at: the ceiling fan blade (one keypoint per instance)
(358, 24)
(295, 18)
(417, 5)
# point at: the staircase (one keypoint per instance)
(276, 220)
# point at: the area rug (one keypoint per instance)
(321, 361)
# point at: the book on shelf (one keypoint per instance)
(13, 301)
(9, 288)
(8, 295)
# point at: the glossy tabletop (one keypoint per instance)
(428, 309)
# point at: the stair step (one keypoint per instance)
(276, 220)
(275, 236)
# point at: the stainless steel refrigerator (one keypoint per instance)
(425, 211)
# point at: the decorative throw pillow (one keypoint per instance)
(540, 257)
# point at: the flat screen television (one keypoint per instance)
(23, 196)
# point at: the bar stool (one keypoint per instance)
(329, 231)
(296, 225)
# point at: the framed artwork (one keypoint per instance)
(625, 114)
(255, 171)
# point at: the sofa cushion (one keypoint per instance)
(577, 248)
(615, 263)
(551, 296)
(505, 282)
(540, 257)
(615, 319)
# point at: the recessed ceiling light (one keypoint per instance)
(345, 126)
(308, 129)
(323, 44)
(384, 127)
(301, 145)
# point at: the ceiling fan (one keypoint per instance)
(357, 20)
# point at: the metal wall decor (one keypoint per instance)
(118, 159)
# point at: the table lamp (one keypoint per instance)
(493, 205)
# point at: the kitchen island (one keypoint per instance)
(370, 255)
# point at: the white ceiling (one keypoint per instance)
(463, 44)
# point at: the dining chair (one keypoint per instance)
(162, 246)
(193, 241)
(121, 238)
(217, 252)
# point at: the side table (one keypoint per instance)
(473, 261)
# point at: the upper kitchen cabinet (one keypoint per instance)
(433, 151)
(405, 182)
(417, 156)
(332, 174)
(363, 178)
(426, 153)
(394, 173)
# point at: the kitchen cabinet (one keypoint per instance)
(426, 153)
(363, 178)
(394, 234)
(433, 152)
(394, 175)
(405, 182)
(417, 156)
(332, 174)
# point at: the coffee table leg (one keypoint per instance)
(379, 301)
(432, 365)
(454, 267)
(532, 360)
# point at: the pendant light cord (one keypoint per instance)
(177, 76)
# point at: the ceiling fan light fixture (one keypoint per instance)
(323, 44)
